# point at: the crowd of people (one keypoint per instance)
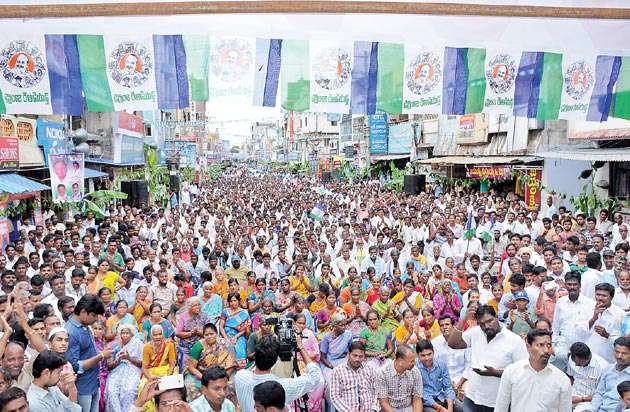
(446, 301)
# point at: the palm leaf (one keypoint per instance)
(93, 207)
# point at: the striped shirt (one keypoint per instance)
(586, 378)
(353, 390)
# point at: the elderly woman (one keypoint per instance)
(158, 360)
(189, 329)
(377, 339)
(334, 347)
(386, 309)
(445, 302)
(211, 303)
(125, 369)
(205, 353)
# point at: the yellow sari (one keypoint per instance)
(158, 364)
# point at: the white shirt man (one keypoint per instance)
(502, 350)
(533, 385)
(464, 246)
(570, 322)
(457, 360)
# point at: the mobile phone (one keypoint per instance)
(171, 382)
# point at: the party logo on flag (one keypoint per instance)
(501, 73)
(22, 64)
(231, 60)
(331, 68)
(130, 64)
(578, 79)
(423, 73)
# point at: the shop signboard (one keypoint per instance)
(132, 150)
(378, 133)
(533, 188)
(400, 138)
(473, 129)
(9, 153)
(51, 136)
(494, 172)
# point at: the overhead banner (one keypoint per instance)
(331, 66)
(24, 81)
(422, 85)
(378, 133)
(51, 137)
(579, 78)
(231, 77)
(501, 69)
(67, 173)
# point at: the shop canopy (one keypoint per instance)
(93, 174)
(479, 160)
(15, 184)
(591, 155)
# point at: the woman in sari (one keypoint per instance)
(445, 302)
(185, 252)
(334, 347)
(377, 339)
(156, 318)
(105, 279)
(324, 316)
(409, 332)
(284, 297)
(124, 370)
(299, 306)
(430, 323)
(267, 310)
(234, 287)
(205, 353)
(386, 309)
(140, 308)
(255, 299)
(178, 305)
(211, 303)
(356, 310)
(345, 294)
(158, 360)
(98, 329)
(106, 296)
(119, 317)
(234, 326)
(220, 284)
(311, 345)
(189, 329)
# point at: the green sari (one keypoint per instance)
(376, 341)
(389, 321)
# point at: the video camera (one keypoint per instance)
(286, 337)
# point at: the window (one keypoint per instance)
(619, 178)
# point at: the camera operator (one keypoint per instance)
(265, 356)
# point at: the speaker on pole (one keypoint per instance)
(414, 184)
(137, 193)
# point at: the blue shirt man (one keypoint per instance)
(438, 393)
(606, 397)
(82, 353)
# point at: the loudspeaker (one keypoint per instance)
(414, 184)
(173, 182)
(137, 192)
(326, 177)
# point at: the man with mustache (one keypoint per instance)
(533, 385)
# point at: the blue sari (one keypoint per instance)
(233, 324)
(212, 307)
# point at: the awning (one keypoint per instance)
(109, 162)
(592, 154)
(389, 157)
(15, 184)
(92, 174)
(479, 160)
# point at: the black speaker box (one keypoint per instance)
(414, 184)
(137, 192)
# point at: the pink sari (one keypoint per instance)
(311, 344)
